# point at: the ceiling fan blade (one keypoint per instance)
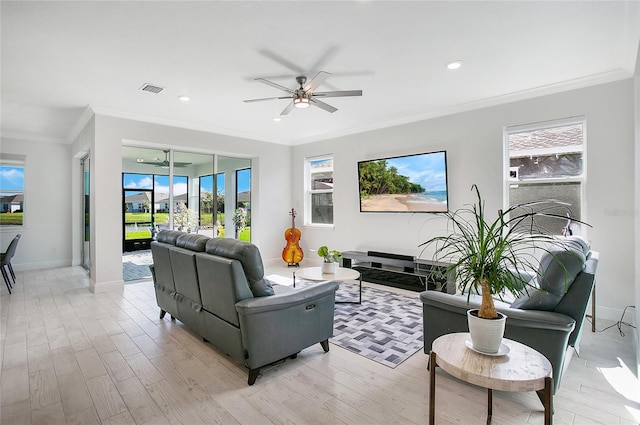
(322, 105)
(181, 164)
(278, 86)
(282, 61)
(288, 109)
(316, 81)
(341, 93)
(266, 98)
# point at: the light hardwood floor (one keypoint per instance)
(70, 356)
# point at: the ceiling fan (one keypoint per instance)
(305, 95)
(165, 163)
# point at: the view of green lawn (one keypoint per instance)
(206, 220)
(245, 235)
(11, 219)
(139, 234)
(140, 218)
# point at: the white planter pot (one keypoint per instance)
(328, 268)
(486, 334)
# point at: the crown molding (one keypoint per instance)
(98, 110)
(86, 115)
(32, 137)
(90, 111)
(555, 88)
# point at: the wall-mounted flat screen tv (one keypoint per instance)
(408, 184)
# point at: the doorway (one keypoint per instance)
(171, 189)
(86, 197)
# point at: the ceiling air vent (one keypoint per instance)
(151, 88)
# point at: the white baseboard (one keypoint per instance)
(306, 262)
(97, 288)
(613, 314)
(41, 265)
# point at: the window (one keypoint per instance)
(547, 162)
(209, 203)
(242, 215)
(12, 190)
(206, 201)
(319, 188)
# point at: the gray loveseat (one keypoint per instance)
(217, 288)
(549, 321)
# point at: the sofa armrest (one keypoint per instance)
(281, 325)
(285, 300)
(522, 318)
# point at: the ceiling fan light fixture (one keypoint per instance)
(301, 102)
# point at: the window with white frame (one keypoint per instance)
(12, 190)
(546, 161)
(319, 191)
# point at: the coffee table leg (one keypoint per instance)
(489, 405)
(432, 388)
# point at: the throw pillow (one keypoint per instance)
(557, 271)
(537, 299)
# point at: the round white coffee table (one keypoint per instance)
(342, 273)
(521, 369)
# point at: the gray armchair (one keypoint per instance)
(549, 321)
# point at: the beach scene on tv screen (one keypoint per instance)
(415, 183)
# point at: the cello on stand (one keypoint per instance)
(292, 253)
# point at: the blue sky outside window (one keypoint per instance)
(11, 178)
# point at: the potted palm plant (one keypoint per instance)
(488, 256)
(331, 257)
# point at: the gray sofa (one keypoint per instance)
(217, 288)
(550, 321)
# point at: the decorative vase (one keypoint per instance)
(328, 268)
(486, 334)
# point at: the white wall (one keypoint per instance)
(46, 236)
(637, 204)
(270, 186)
(474, 144)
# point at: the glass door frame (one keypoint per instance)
(85, 163)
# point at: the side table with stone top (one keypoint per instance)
(521, 369)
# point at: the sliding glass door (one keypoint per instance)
(192, 192)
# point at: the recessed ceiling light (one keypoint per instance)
(454, 64)
(184, 98)
(139, 160)
(277, 119)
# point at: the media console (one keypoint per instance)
(400, 271)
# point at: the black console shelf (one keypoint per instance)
(400, 271)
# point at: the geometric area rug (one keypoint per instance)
(386, 327)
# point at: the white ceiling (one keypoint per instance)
(60, 57)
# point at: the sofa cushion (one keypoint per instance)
(249, 256)
(557, 271)
(192, 241)
(168, 236)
